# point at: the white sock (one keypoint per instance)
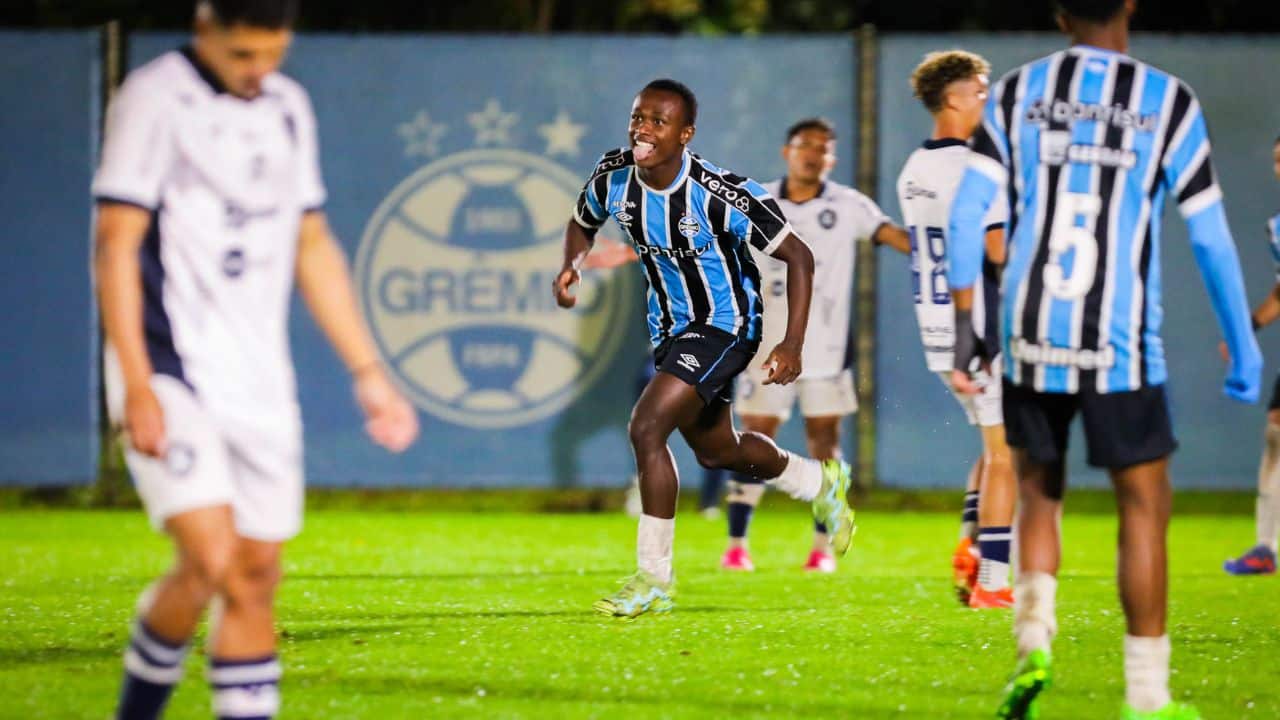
(1146, 672)
(1267, 514)
(1034, 621)
(801, 478)
(993, 574)
(654, 539)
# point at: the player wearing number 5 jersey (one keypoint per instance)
(953, 87)
(1086, 144)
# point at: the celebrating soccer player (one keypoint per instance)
(1261, 558)
(952, 86)
(209, 202)
(830, 217)
(1086, 144)
(691, 223)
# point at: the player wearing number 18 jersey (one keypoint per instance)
(952, 85)
(1086, 144)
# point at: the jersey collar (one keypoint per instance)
(206, 74)
(680, 177)
(943, 143)
(782, 191)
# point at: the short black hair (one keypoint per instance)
(268, 14)
(1092, 10)
(686, 96)
(812, 123)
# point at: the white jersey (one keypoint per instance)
(227, 181)
(830, 223)
(926, 187)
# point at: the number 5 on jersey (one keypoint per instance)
(1065, 237)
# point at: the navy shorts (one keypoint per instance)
(1120, 428)
(706, 358)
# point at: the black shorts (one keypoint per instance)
(706, 358)
(1120, 428)
(1275, 396)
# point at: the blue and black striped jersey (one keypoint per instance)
(691, 238)
(1087, 144)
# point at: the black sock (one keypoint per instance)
(739, 518)
(152, 667)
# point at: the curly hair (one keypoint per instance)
(931, 77)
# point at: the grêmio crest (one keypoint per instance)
(454, 276)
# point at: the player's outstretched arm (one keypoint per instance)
(325, 284)
(118, 237)
(783, 361)
(1215, 254)
(894, 236)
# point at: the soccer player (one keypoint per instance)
(1261, 558)
(1086, 144)
(691, 223)
(831, 218)
(953, 87)
(209, 205)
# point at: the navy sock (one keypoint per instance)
(969, 519)
(712, 485)
(739, 518)
(152, 666)
(993, 543)
(245, 689)
(819, 526)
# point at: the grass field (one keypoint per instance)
(419, 615)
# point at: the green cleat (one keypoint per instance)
(639, 594)
(831, 506)
(1030, 678)
(1172, 711)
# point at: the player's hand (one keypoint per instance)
(390, 420)
(144, 421)
(563, 287)
(964, 383)
(782, 364)
(609, 254)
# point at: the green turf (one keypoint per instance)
(459, 615)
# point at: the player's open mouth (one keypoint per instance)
(642, 150)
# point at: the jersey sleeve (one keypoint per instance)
(981, 185)
(137, 147)
(311, 179)
(1189, 176)
(590, 211)
(755, 216)
(869, 216)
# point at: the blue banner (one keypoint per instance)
(452, 165)
(49, 87)
(1220, 440)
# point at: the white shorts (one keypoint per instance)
(257, 471)
(819, 397)
(983, 409)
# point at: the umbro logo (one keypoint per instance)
(688, 362)
(624, 217)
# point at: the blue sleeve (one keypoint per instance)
(1215, 253)
(965, 229)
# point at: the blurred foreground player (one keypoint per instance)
(953, 87)
(1086, 143)
(209, 202)
(831, 218)
(691, 222)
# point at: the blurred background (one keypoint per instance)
(454, 139)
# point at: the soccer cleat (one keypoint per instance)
(964, 569)
(1172, 711)
(639, 594)
(1260, 560)
(737, 558)
(1030, 678)
(984, 599)
(820, 561)
(831, 506)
